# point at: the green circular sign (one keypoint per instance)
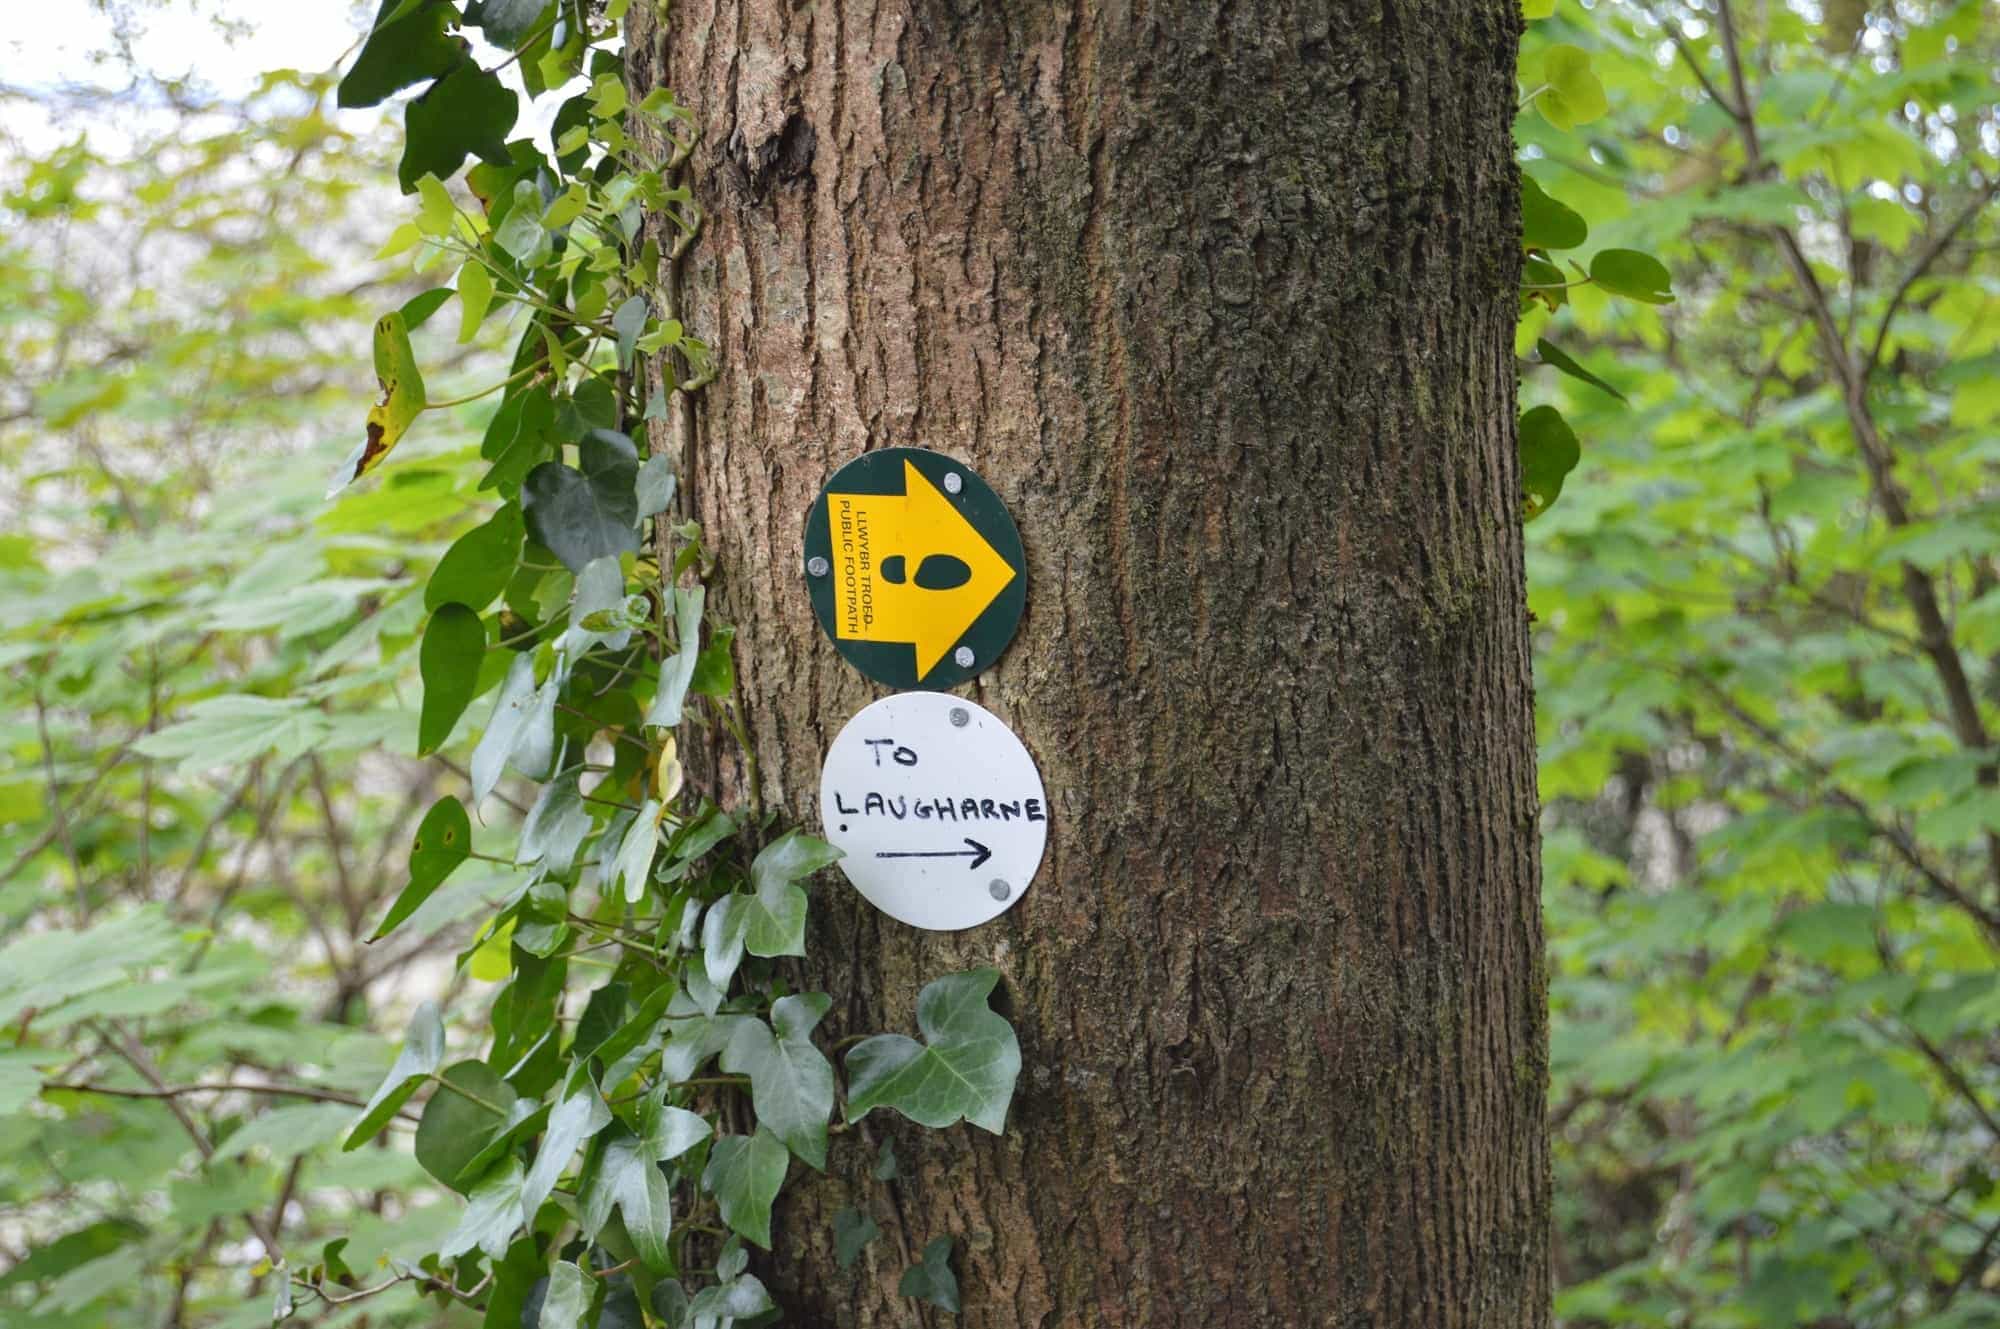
(914, 567)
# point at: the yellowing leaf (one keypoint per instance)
(402, 401)
(1537, 8)
(435, 217)
(1573, 96)
(494, 959)
(668, 776)
(475, 293)
(404, 238)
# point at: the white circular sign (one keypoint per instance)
(937, 808)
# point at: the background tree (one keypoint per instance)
(1766, 650)
(206, 797)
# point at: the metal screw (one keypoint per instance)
(960, 717)
(962, 657)
(817, 566)
(953, 482)
(999, 889)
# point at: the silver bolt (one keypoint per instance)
(999, 889)
(953, 482)
(962, 657)
(960, 717)
(817, 566)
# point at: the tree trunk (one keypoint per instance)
(1219, 295)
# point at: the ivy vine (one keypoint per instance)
(650, 1075)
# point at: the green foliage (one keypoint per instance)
(197, 656)
(491, 661)
(1568, 95)
(965, 1067)
(931, 1279)
(601, 656)
(1765, 669)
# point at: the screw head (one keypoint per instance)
(999, 889)
(817, 566)
(962, 657)
(960, 717)
(953, 482)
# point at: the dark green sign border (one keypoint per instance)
(895, 663)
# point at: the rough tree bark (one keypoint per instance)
(1219, 295)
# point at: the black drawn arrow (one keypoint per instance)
(979, 853)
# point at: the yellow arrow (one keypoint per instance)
(869, 530)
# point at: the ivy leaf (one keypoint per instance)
(635, 855)
(668, 1132)
(931, 1279)
(454, 645)
(402, 401)
(506, 22)
(423, 1050)
(595, 405)
(852, 1231)
(521, 232)
(475, 296)
(635, 1038)
(467, 111)
(771, 920)
(518, 440)
(457, 1126)
(965, 1068)
(525, 1119)
(722, 937)
(775, 921)
(444, 840)
(656, 485)
(408, 48)
(555, 828)
(628, 323)
(715, 671)
(791, 1083)
(1548, 223)
(739, 1297)
(602, 1015)
(744, 1175)
(521, 731)
(1553, 355)
(1549, 452)
(567, 1299)
(791, 857)
(1574, 95)
(479, 563)
(587, 514)
(677, 670)
(1532, 9)
(600, 593)
(625, 1177)
(1634, 275)
(776, 914)
(515, 1279)
(885, 1162)
(581, 1114)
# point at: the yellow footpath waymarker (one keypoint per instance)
(880, 545)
